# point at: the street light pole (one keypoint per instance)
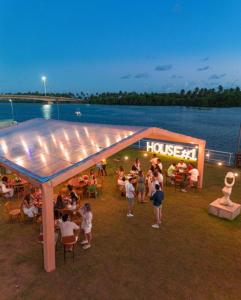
(11, 102)
(58, 108)
(44, 78)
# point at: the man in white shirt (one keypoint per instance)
(182, 165)
(7, 192)
(171, 170)
(194, 174)
(68, 228)
(130, 195)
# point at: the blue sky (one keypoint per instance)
(104, 45)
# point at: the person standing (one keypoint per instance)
(141, 188)
(149, 179)
(130, 195)
(104, 167)
(159, 164)
(86, 225)
(194, 175)
(153, 161)
(157, 199)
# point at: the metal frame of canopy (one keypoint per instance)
(117, 139)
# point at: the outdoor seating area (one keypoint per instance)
(79, 219)
(188, 233)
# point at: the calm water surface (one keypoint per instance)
(218, 126)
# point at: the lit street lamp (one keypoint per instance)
(11, 102)
(44, 78)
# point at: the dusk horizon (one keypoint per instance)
(108, 47)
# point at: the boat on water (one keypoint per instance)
(77, 113)
(7, 123)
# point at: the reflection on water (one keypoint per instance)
(218, 126)
(47, 111)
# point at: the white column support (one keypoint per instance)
(48, 227)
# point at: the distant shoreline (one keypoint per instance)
(199, 97)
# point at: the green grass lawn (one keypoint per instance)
(192, 256)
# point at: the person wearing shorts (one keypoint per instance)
(130, 195)
(157, 198)
(86, 225)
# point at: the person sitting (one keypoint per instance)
(121, 185)
(36, 196)
(179, 178)
(5, 189)
(171, 172)
(194, 174)
(181, 166)
(86, 225)
(92, 178)
(189, 167)
(68, 228)
(73, 198)
(60, 204)
(28, 207)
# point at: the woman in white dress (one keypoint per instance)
(149, 178)
(29, 208)
(86, 225)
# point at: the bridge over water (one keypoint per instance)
(38, 98)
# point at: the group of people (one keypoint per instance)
(136, 184)
(69, 228)
(32, 203)
(187, 174)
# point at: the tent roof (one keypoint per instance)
(42, 149)
(49, 150)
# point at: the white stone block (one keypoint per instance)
(222, 211)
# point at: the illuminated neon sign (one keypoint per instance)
(172, 150)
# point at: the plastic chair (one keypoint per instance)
(92, 190)
(178, 182)
(69, 241)
(168, 178)
(13, 214)
(194, 186)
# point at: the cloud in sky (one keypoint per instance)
(141, 75)
(163, 67)
(203, 68)
(217, 76)
(176, 76)
(127, 76)
(205, 58)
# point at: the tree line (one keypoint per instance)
(199, 97)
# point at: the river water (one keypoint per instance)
(218, 126)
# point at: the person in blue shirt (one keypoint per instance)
(157, 199)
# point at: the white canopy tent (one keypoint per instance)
(49, 152)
